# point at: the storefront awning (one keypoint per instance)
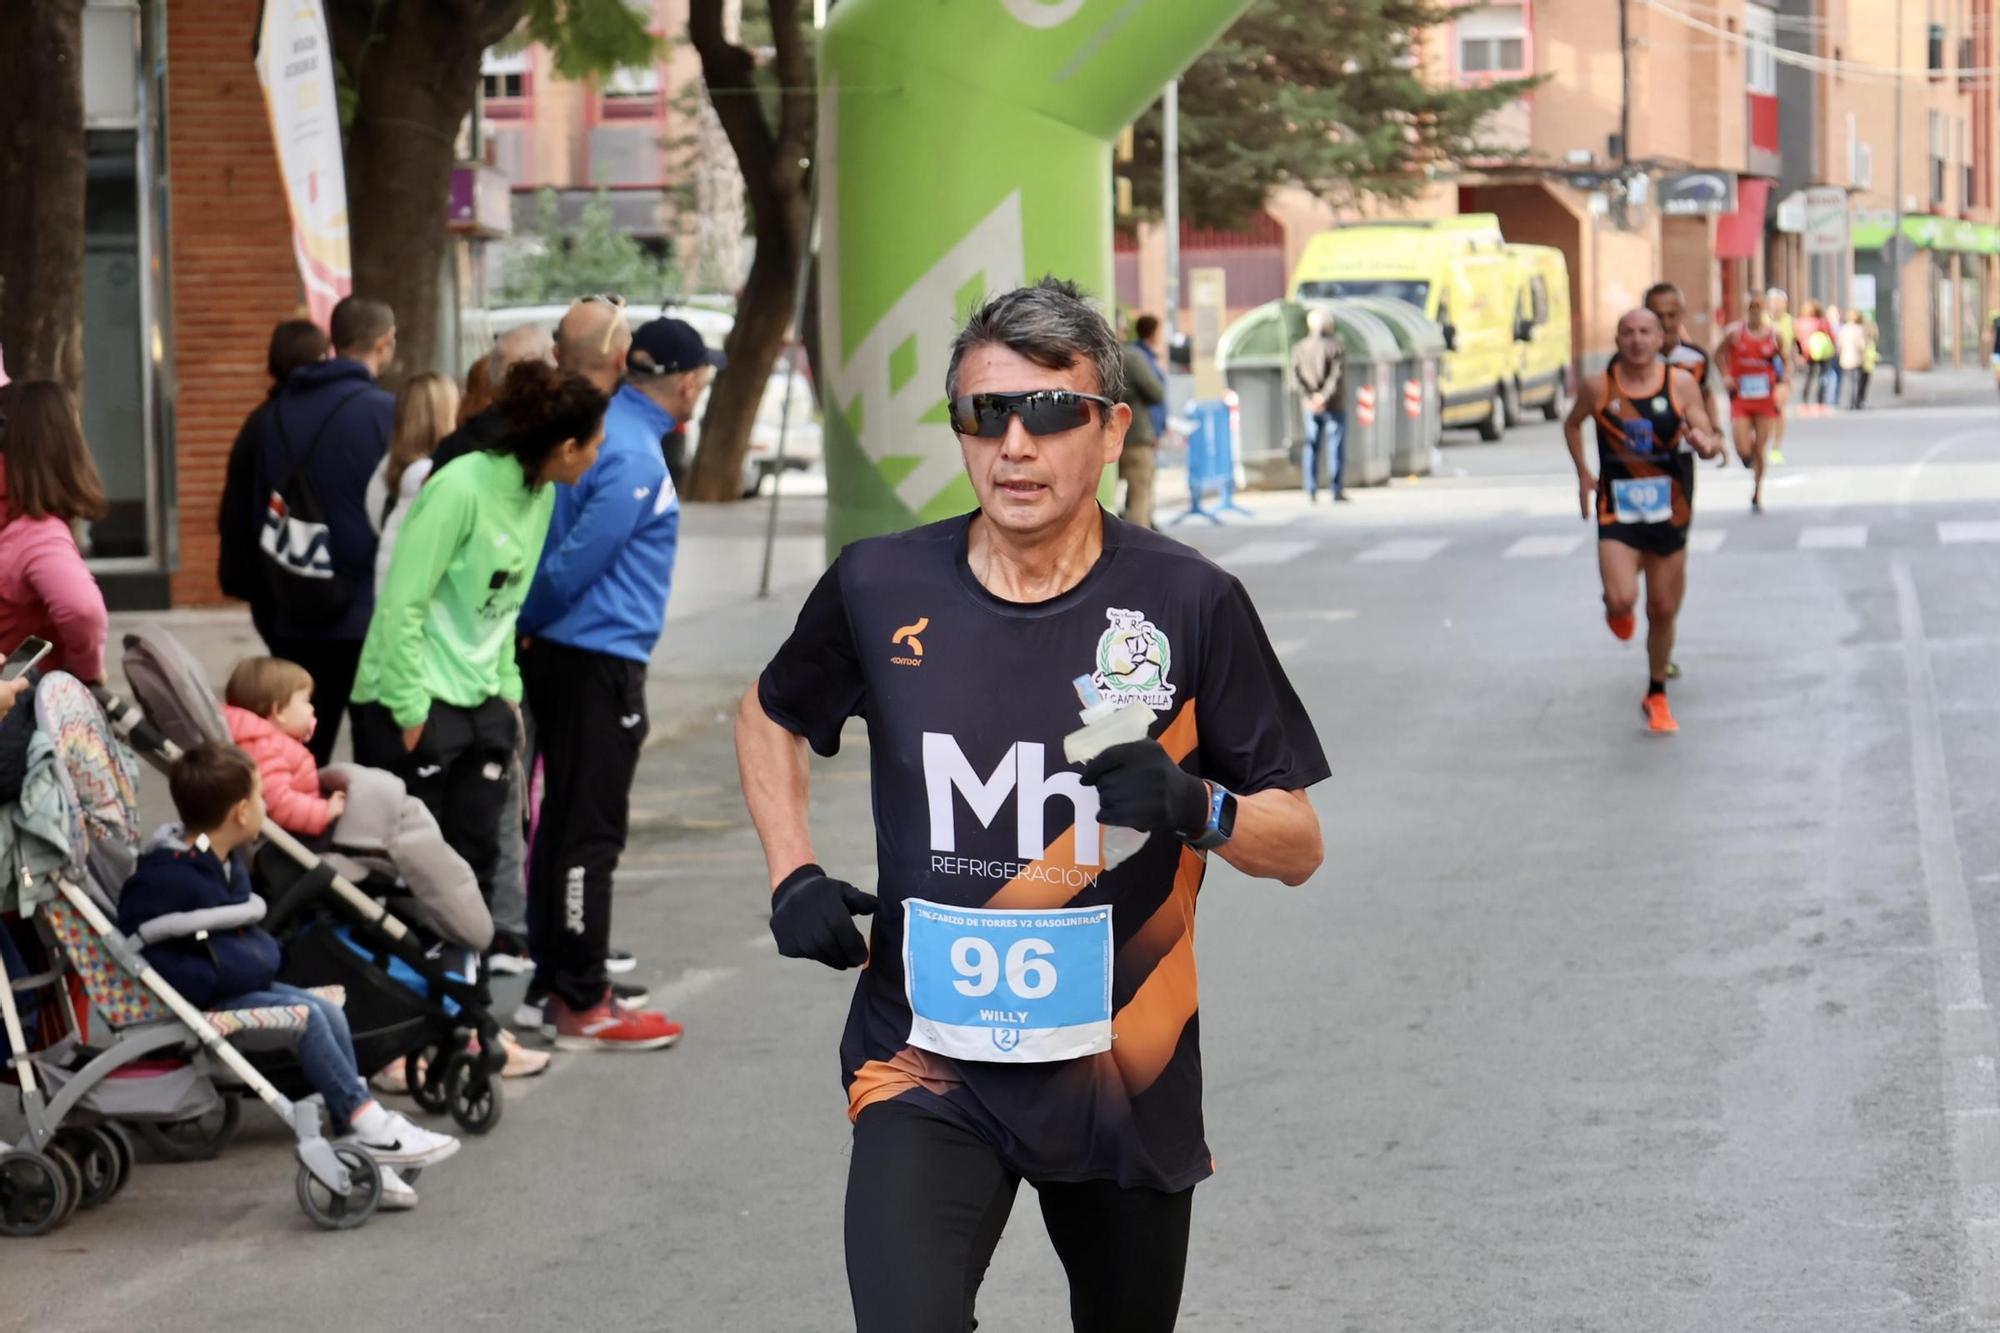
(1738, 234)
(1872, 228)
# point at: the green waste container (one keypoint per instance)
(1255, 358)
(1418, 411)
(1368, 393)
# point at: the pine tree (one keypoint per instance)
(1328, 95)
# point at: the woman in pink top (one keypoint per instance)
(47, 485)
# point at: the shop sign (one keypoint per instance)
(1698, 194)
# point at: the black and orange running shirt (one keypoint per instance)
(1645, 470)
(967, 699)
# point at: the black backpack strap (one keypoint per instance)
(278, 414)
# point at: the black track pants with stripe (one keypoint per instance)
(590, 722)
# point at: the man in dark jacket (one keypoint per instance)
(335, 414)
(295, 344)
(1146, 395)
(189, 906)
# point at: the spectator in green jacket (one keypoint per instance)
(438, 688)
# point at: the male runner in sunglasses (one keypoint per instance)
(1028, 1007)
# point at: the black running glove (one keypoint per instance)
(812, 916)
(1140, 786)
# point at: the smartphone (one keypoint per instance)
(23, 658)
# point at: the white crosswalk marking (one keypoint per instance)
(1531, 547)
(1263, 553)
(1403, 550)
(1844, 537)
(1952, 534)
(1707, 540)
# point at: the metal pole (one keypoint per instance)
(806, 250)
(1624, 81)
(791, 375)
(1170, 191)
(1895, 241)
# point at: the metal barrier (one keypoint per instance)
(1211, 452)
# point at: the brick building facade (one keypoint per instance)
(233, 275)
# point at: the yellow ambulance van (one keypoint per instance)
(1458, 272)
(1541, 333)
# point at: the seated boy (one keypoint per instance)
(190, 906)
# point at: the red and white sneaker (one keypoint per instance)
(612, 1027)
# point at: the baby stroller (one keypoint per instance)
(71, 832)
(404, 1000)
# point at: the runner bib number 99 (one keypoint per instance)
(1013, 987)
(1643, 500)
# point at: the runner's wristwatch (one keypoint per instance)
(1221, 825)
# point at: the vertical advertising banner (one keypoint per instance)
(295, 67)
(964, 148)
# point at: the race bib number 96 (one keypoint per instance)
(1016, 987)
(1643, 500)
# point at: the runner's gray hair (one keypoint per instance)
(1053, 324)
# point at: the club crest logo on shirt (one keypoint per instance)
(1133, 658)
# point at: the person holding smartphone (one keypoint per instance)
(49, 485)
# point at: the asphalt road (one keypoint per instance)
(1577, 1029)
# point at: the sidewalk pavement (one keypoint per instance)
(719, 633)
(1930, 388)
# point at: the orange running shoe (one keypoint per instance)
(1622, 626)
(1659, 717)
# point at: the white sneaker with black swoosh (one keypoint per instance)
(395, 1140)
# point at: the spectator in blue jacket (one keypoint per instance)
(190, 907)
(592, 618)
(335, 412)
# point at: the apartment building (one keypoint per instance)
(1654, 161)
(1948, 257)
(646, 138)
(1730, 144)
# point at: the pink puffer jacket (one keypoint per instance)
(291, 777)
(45, 590)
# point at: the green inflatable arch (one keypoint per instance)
(965, 146)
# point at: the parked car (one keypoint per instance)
(803, 436)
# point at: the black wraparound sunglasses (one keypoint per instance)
(1042, 412)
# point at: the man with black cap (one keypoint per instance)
(588, 630)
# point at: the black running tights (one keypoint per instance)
(927, 1200)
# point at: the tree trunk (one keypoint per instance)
(415, 69)
(777, 178)
(42, 168)
(763, 315)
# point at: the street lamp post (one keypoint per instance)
(1170, 192)
(1894, 245)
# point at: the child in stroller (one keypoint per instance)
(189, 902)
(406, 1002)
(269, 712)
